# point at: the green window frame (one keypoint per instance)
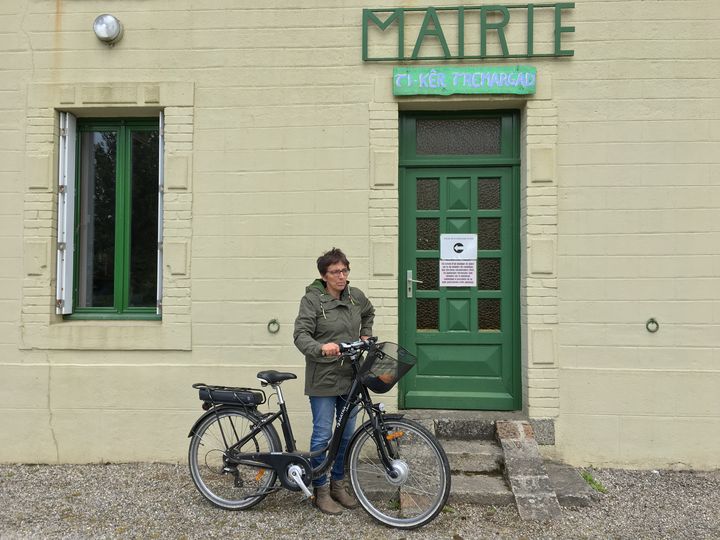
(121, 207)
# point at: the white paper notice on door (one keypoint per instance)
(458, 246)
(458, 273)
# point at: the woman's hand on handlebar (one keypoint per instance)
(330, 349)
(363, 344)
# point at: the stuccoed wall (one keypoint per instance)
(638, 163)
(281, 143)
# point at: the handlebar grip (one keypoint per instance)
(359, 345)
(347, 347)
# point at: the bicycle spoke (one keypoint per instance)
(230, 486)
(418, 490)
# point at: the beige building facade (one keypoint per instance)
(275, 140)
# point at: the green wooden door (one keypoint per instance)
(466, 338)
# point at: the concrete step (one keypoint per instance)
(535, 496)
(477, 425)
(488, 472)
(473, 456)
(570, 487)
(492, 489)
(482, 489)
(464, 425)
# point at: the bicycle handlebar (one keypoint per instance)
(357, 346)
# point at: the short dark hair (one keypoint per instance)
(329, 258)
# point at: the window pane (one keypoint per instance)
(143, 230)
(428, 233)
(428, 194)
(488, 274)
(96, 250)
(428, 272)
(458, 136)
(428, 317)
(488, 193)
(144, 216)
(489, 314)
(488, 233)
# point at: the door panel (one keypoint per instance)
(470, 360)
(466, 339)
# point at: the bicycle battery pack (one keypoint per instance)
(230, 395)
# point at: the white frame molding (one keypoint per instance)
(41, 327)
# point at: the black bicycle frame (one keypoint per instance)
(358, 395)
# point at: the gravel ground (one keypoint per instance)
(160, 501)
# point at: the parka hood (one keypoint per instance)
(318, 287)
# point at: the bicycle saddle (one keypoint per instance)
(273, 377)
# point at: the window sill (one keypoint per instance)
(112, 317)
(108, 335)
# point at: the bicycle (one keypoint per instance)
(397, 469)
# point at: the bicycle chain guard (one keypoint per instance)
(281, 464)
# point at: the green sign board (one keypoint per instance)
(448, 80)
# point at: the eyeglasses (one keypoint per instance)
(336, 273)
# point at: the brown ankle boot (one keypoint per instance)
(339, 490)
(324, 501)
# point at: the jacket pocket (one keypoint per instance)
(312, 370)
(325, 376)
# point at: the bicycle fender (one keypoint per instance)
(216, 409)
(368, 425)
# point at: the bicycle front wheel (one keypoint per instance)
(420, 489)
(230, 486)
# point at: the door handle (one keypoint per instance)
(409, 284)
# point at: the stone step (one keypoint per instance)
(465, 425)
(482, 489)
(477, 425)
(492, 489)
(473, 456)
(535, 495)
(468, 429)
(489, 468)
(570, 487)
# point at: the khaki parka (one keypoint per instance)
(324, 319)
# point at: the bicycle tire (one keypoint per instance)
(421, 491)
(233, 487)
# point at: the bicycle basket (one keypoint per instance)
(384, 365)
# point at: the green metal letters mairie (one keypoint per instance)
(491, 18)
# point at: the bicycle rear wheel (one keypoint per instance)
(233, 487)
(422, 486)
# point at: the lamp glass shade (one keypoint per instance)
(107, 28)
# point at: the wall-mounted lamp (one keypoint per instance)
(108, 29)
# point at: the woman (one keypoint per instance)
(331, 312)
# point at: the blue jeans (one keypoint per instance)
(324, 411)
